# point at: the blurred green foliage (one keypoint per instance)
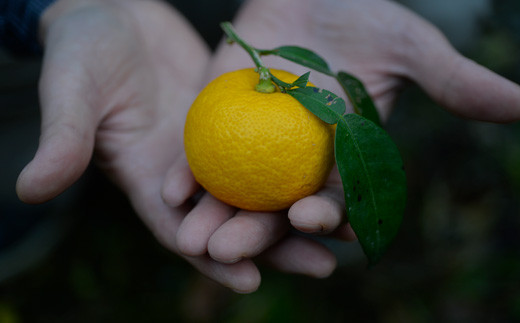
(456, 259)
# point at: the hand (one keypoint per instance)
(385, 45)
(118, 78)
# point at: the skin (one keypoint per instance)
(120, 94)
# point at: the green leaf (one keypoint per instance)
(324, 104)
(300, 56)
(358, 96)
(281, 84)
(300, 82)
(374, 182)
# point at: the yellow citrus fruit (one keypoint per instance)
(256, 151)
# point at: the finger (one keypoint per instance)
(165, 223)
(179, 183)
(168, 223)
(477, 93)
(242, 277)
(298, 255)
(246, 235)
(322, 212)
(459, 84)
(66, 140)
(317, 213)
(198, 226)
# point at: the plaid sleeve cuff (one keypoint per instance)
(19, 25)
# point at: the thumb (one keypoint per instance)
(462, 86)
(66, 139)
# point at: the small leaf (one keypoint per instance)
(322, 103)
(359, 97)
(302, 80)
(300, 56)
(374, 182)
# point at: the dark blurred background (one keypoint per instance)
(85, 257)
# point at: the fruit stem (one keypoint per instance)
(265, 84)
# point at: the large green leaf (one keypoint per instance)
(374, 182)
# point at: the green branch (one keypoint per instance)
(265, 84)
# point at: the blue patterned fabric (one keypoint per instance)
(19, 25)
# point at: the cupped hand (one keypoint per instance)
(117, 80)
(386, 46)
